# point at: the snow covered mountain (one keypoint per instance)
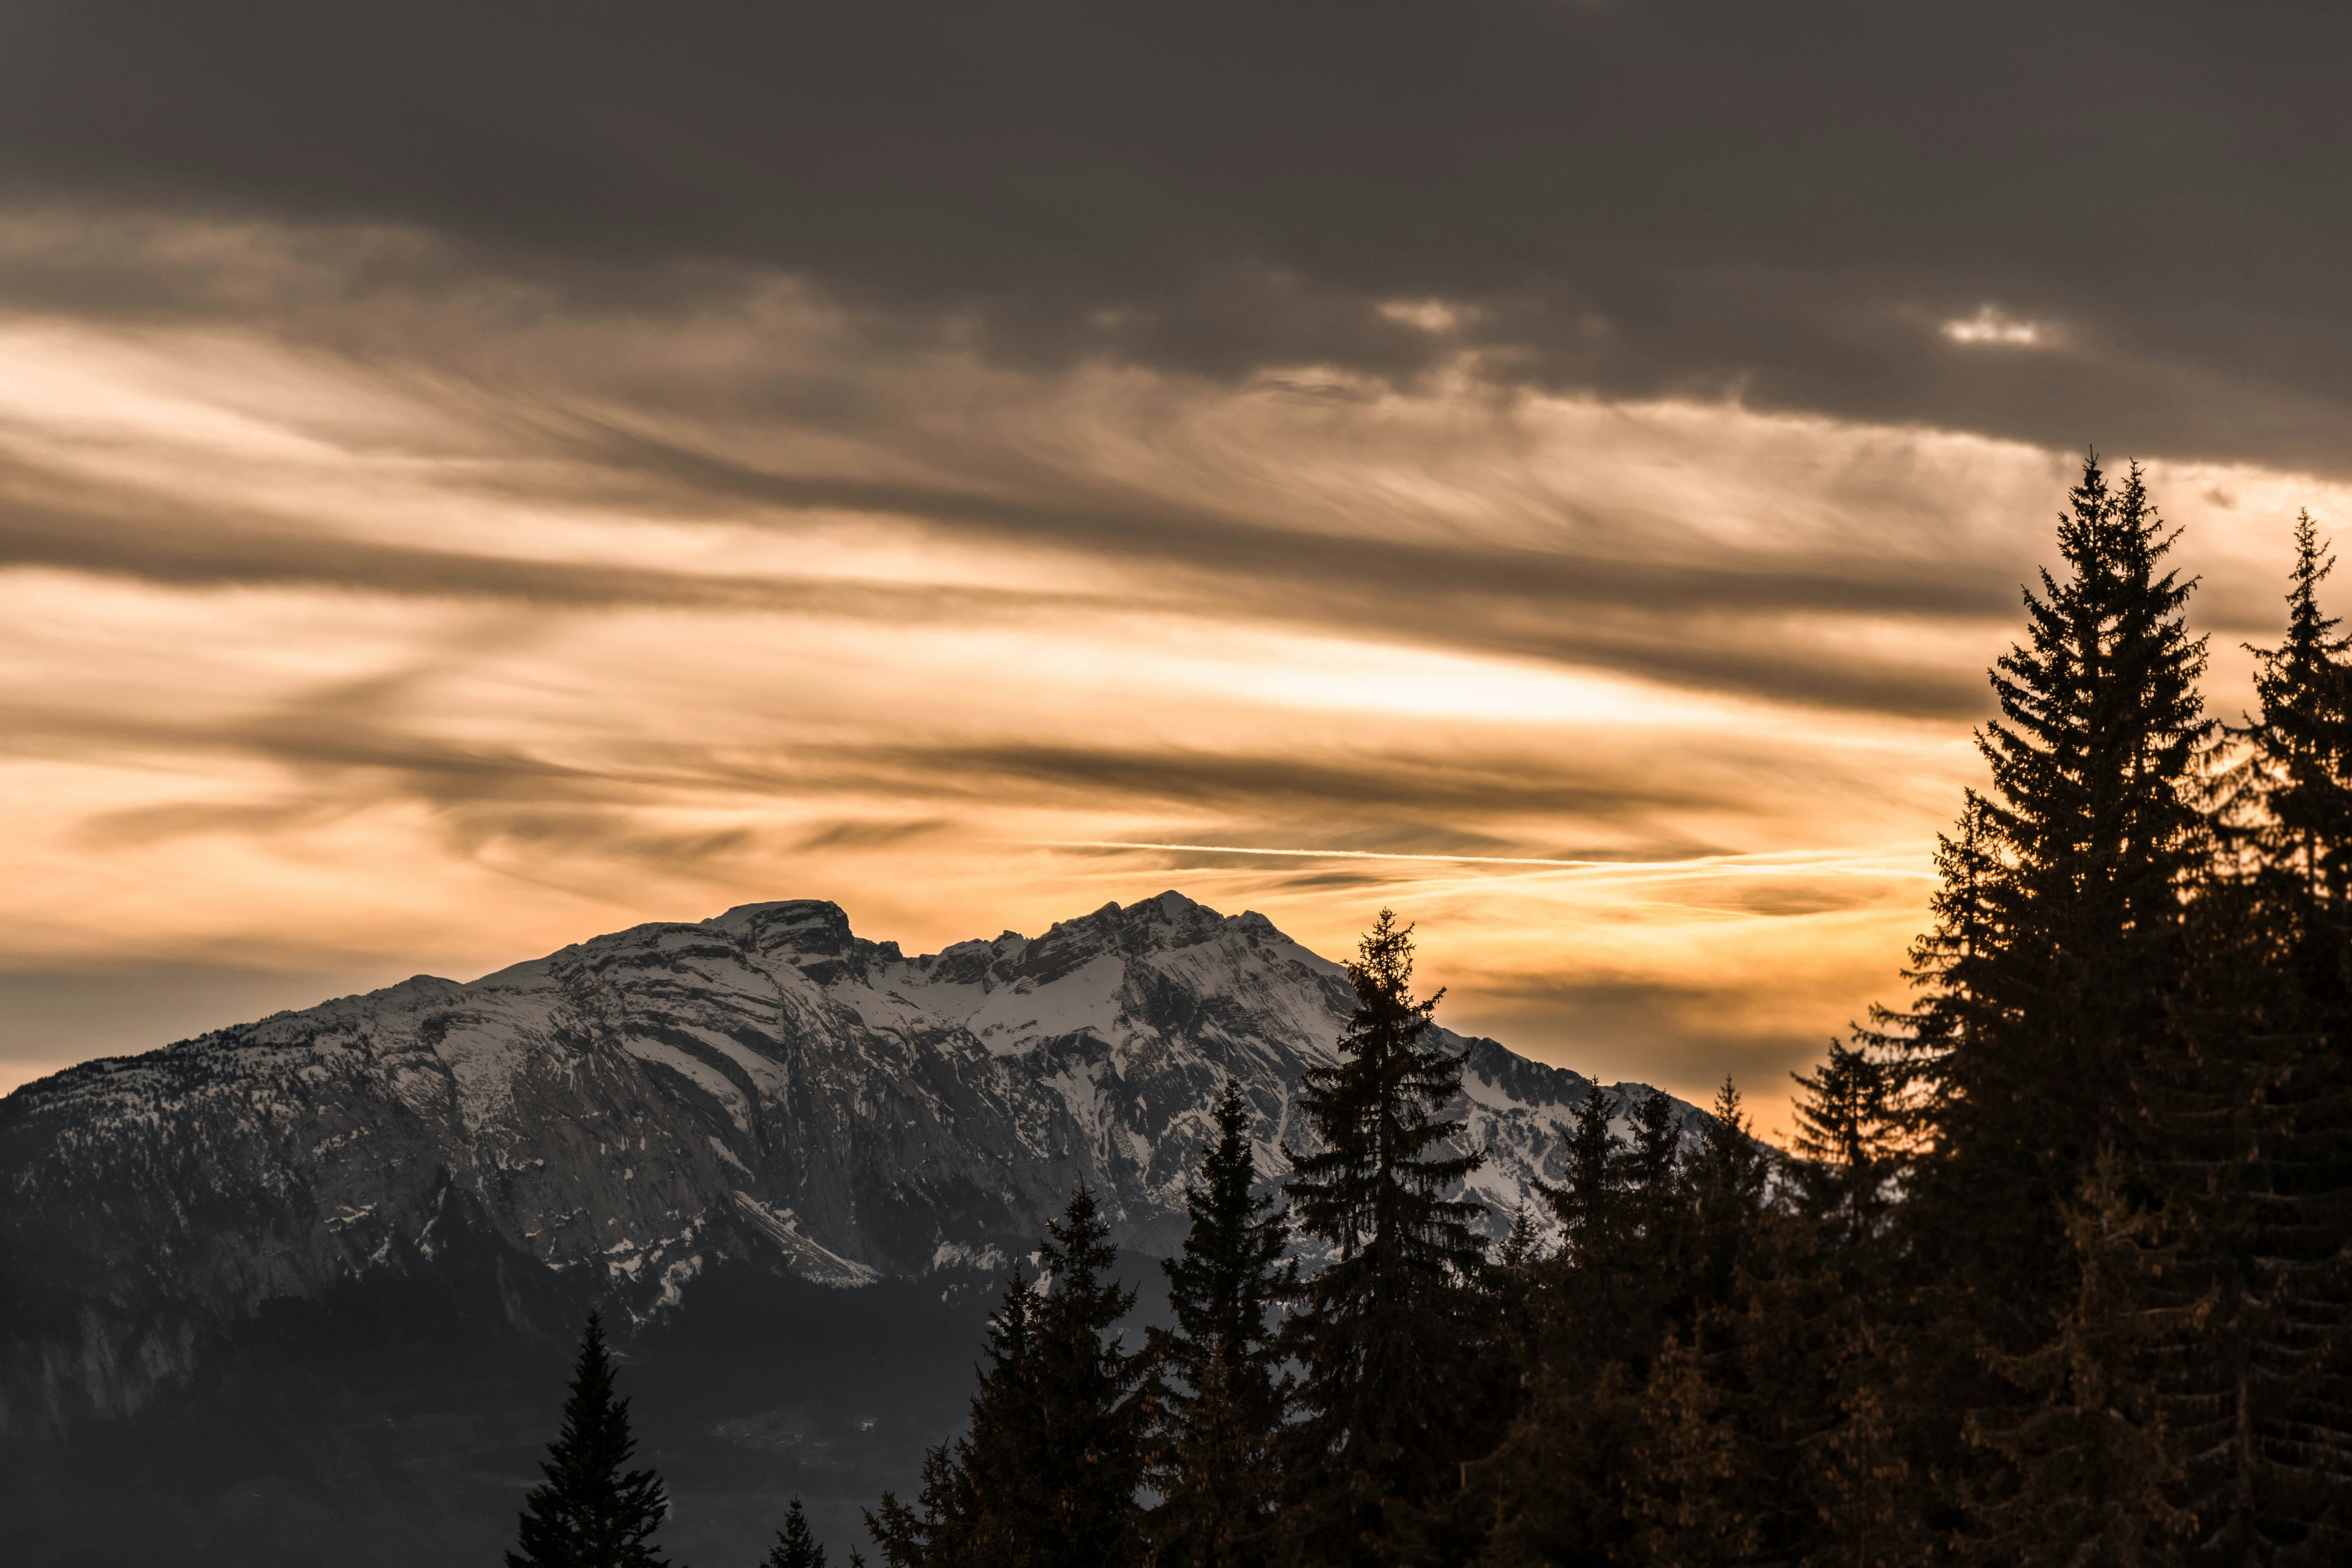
(763, 1082)
(624, 1116)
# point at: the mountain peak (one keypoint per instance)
(764, 1086)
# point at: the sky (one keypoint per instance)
(475, 477)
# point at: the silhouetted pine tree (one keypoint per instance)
(1726, 1404)
(1841, 1323)
(1219, 1394)
(1617, 1281)
(2093, 1469)
(978, 1490)
(1691, 1468)
(1524, 1245)
(2047, 987)
(2062, 936)
(2293, 787)
(2060, 950)
(1047, 1475)
(795, 1544)
(1554, 1490)
(1641, 1438)
(1849, 1144)
(1659, 1205)
(1727, 1176)
(2256, 1109)
(1512, 1280)
(1587, 1201)
(1088, 1384)
(1388, 1335)
(590, 1512)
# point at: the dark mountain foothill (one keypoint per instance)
(312, 1284)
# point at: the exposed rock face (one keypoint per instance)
(763, 1086)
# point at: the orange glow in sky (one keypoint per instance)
(343, 641)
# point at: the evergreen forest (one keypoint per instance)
(2055, 1271)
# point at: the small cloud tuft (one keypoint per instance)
(1429, 315)
(1994, 327)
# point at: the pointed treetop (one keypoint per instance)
(796, 1545)
(590, 1512)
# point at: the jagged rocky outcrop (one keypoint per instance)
(629, 1111)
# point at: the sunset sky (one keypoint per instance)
(472, 478)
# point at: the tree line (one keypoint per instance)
(2056, 1270)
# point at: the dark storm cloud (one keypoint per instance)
(1780, 201)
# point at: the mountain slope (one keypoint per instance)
(630, 1119)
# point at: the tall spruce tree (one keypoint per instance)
(1849, 1142)
(1641, 1436)
(1047, 1475)
(796, 1544)
(1656, 1183)
(1726, 1178)
(1383, 1333)
(1589, 1202)
(1841, 1341)
(2291, 792)
(2061, 933)
(1219, 1394)
(976, 1501)
(2256, 1108)
(590, 1512)
(1511, 1285)
(2091, 1470)
(2048, 989)
(1089, 1404)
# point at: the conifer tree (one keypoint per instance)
(1381, 1332)
(1849, 1144)
(1586, 1201)
(1718, 1338)
(796, 1545)
(1657, 1187)
(977, 1489)
(1218, 1391)
(2047, 987)
(1091, 1415)
(2061, 933)
(1685, 1503)
(1656, 1149)
(590, 1512)
(1512, 1282)
(1640, 1383)
(2093, 1465)
(2293, 790)
(2256, 1108)
(1605, 1292)
(1726, 1179)
(1837, 1334)
(1523, 1246)
(1045, 1476)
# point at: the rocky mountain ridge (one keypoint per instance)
(624, 1114)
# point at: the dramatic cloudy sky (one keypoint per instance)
(473, 477)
